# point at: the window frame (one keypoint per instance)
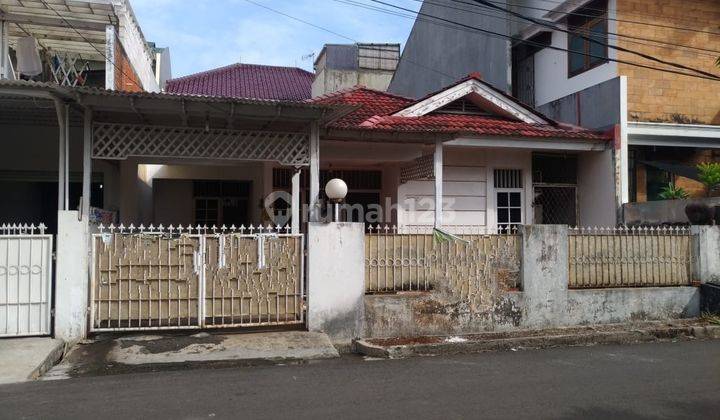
(584, 30)
(509, 224)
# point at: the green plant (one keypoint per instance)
(673, 192)
(710, 318)
(709, 175)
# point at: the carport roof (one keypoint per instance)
(167, 109)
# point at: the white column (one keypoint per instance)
(438, 162)
(4, 50)
(622, 183)
(314, 172)
(295, 203)
(87, 163)
(110, 39)
(61, 113)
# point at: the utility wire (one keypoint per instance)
(680, 28)
(709, 52)
(514, 38)
(594, 41)
(339, 35)
(91, 44)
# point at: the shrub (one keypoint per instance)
(672, 192)
(709, 175)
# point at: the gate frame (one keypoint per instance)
(200, 264)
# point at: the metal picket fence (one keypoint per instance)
(630, 257)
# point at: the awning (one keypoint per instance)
(685, 171)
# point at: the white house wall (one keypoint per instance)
(551, 68)
(468, 194)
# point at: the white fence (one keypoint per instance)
(25, 281)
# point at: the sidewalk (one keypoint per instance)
(27, 358)
(142, 352)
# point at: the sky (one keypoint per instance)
(205, 34)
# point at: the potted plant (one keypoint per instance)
(700, 213)
(709, 175)
(673, 192)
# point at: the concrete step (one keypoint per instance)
(401, 347)
(28, 358)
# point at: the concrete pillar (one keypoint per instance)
(71, 277)
(336, 279)
(706, 250)
(544, 274)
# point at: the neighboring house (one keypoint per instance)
(665, 123)
(111, 54)
(247, 81)
(341, 66)
(437, 53)
(90, 43)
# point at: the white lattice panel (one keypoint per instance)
(120, 141)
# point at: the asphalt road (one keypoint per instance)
(664, 380)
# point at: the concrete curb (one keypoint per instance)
(51, 360)
(371, 349)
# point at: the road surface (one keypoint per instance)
(671, 380)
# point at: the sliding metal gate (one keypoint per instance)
(25, 281)
(189, 278)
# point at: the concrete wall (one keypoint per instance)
(661, 212)
(595, 107)
(436, 56)
(596, 189)
(545, 300)
(336, 279)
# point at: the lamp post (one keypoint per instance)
(336, 189)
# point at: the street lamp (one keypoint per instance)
(336, 189)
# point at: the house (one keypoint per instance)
(342, 66)
(249, 81)
(666, 122)
(466, 158)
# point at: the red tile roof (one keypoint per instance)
(375, 111)
(248, 81)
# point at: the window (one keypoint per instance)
(220, 203)
(508, 198)
(589, 23)
(509, 209)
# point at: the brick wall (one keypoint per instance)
(663, 97)
(125, 77)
